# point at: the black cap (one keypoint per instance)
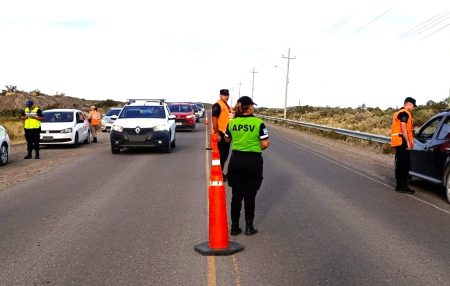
(29, 103)
(410, 99)
(224, 92)
(245, 101)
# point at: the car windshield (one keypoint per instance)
(194, 107)
(180, 108)
(200, 106)
(142, 112)
(112, 112)
(58, 116)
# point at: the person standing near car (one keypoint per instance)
(249, 136)
(94, 119)
(32, 117)
(221, 115)
(402, 139)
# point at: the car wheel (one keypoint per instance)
(115, 150)
(75, 143)
(88, 139)
(173, 145)
(4, 155)
(447, 187)
(167, 147)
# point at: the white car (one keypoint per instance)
(64, 126)
(5, 146)
(109, 118)
(143, 123)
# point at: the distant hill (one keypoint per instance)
(16, 100)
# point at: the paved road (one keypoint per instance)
(326, 216)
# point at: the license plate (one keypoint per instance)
(179, 123)
(47, 138)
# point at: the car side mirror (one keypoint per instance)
(172, 117)
(114, 117)
(80, 121)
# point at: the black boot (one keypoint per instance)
(28, 156)
(37, 156)
(94, 140)
(235, 229)
(250, 229)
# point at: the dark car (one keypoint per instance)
(185, 116)
(430, 158)
(197, 113)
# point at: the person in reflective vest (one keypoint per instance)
(402, 139)
(94, 118)
(32, 117)
(221, 115)
(249, 136)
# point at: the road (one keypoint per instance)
(326, 216)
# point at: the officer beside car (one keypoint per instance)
(94, 119)
(402, 139)
(32, 117)
(249, 136)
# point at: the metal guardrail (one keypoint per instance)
(345, 132)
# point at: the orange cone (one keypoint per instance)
(206, 120)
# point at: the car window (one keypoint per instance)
(112, 112)
(143, 112)
(428, 130)
(444, 133)
(58, 116)
(180, 108)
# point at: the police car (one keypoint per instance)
(143, 123)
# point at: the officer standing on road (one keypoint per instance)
(221, 115)
(32, 117)
(402, 139)
(94, 119)
(245, 169)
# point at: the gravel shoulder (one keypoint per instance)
(20, 170)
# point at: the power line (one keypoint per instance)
(437, 31)
(253, 81)
(369, 23)
(429, 27)
(336, 25)
(425, 23)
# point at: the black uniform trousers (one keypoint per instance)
(224, 149)
(402, 164)
(245, 175)
(32, 136)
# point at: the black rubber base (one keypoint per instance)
(204, 249)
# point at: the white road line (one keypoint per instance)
(354, 171)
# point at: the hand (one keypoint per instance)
(219, 138)
(410, 146)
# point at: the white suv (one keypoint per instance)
(143, 123)
(4, 146)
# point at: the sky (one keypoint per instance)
(347, 53)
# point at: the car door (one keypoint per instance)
(440, 148)
(424, 153)
(81, 126)
(171, 123)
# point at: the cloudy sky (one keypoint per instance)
(347, 53)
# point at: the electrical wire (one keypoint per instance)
(431, 20)
(369, 23)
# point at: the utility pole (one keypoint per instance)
(253, 81)
(240, 84)
(287, 79)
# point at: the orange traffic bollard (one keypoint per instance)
(219, 244)
(206, 120)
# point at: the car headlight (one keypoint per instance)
(189, 116)
(160, 127)
(117, 128)
(67, 130)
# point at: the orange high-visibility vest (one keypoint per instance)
(396, 129)
(95, 118)
(224, 117)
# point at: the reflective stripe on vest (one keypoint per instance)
(396, 129)
(31, 123)
(224, 116)
(95, 118)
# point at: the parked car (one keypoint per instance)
(201, 108)
(185, 116)
(430, 158)
(197, 114)
(109, 118)
(5, 146)
(64, 126)
(144, 123)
